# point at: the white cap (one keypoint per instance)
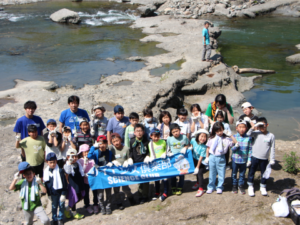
(246, 105)
(202, 131)
(241, 122)
(72, 151)
(220, 111)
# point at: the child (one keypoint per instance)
(87, 164)
(34, 149)
(149, 121)
(247, 109)
(206, 43)
(177, 143)
(199, 155)
(83, 136)
(241, 156)
(185, 127)
(165, 120)
(56, 185)
(121, 154)
(99, 121)
(217, 146)
(53, 141)
(263, 146)
(66, 143)
(158, 149)
(74, 175)
(103, 157)
(139, 152)
(117, 124)
(129, 132)
(29, 193)
(198, 119)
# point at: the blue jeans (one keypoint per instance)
(55, 204)
(254, 164)
(166, 186)
(180, 183)
(217, 165)
(241, 168)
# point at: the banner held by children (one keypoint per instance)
(107, 177)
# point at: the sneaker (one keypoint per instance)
(199, 193)
(96, 209)
(60, 222)
(120, 206)
(54, 222)
(234, 189)
(132, 201)
(179, 191)
(251, 191)
(174, 190)
(196, 186)
(103, 211)
(108, 211)
(263, 191)
(209, 191)
(68, 214)
(242, 190)
(219, 191)
(90, 210)
(227, 167)
(163, 197)
(143, 200)
(78, 216)
(155, 196)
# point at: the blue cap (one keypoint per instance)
(51, 157)
(23, 166)
(118, 108)
(51, 121)
(154, 130)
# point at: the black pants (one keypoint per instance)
(61, 163)
(227, 157)
(202, 170)
(87, 196)
(39, 170)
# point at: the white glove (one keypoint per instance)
(109, 164)
(52, 133)
(85, 160)
(125, 164)
(71, 160)
(259, 124)
(93, 116)
(247, 119)
(195, 119)
(147, 159)
(237, 145)
(62, 198)
(92, 132)
(116, 163)
(151, 159)
(164, 155)
(76, 135)
(17, 176)
(272, 162)
(86, 175)
(96, 145)
(38, 179)
(170, 154)
(227, 133)
(190, 148)
(206, 160)
(49, 197)
(68, 162)
(69, 137)
(18, 138)
(183, 150)
(130, 162)
(248, 163)
(196, 171)
(65, 138)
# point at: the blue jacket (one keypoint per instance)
(49, 185)
(94, 154)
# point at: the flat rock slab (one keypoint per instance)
(65, 16)
(293, 58)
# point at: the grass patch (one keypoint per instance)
(291, 162)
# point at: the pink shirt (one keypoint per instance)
(227, 142)
(87, 167)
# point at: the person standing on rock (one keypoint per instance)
(71, 117)
(206, 43)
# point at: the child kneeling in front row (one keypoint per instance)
(56, 185)
(29, 193)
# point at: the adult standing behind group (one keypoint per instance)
(71, 117)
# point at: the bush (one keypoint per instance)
(291, 163)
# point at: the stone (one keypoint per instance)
(1, 9)
(220, 10)
(293, 58)
(147, 10)
(65, 16)
(298, 46)
(248, 13)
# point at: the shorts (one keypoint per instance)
(38, 170)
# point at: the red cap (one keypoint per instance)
(101, 138)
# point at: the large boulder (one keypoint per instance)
(293, 58)
(65, 16)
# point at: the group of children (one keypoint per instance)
(79, 144)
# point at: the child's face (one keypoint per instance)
(102, 146)
(119, 115)
(74, 157)
(74, 106)
(51, 127)
(166, 120)
(220, 106)
(263, 128)
(247, 111)
(176, 133)
(84, 126)
(99, 113)
(148, 116)
(29, 175)
(182, 118)
(33, 134)
(206, 25)
(117, 142)
(220, 118)
(134, 121)
(67, 133)
(139, 133)
(84, 154)
(241, 129)
(29, 112)
(195, 112)
(219, 132)
(155, 137)
(52, 164)
(202, 138)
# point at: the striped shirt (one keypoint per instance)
(242, 153)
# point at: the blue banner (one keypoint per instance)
(107, 177)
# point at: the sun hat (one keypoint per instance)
(83, 148)
(246, 105)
